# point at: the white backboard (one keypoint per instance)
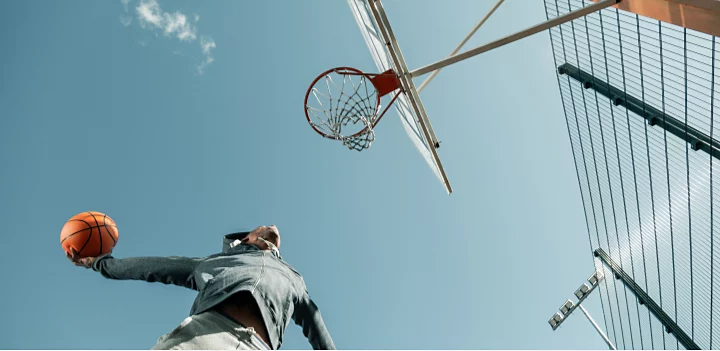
(374, 27)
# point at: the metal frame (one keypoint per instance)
(597, 327)
(384, 83)
(515, 37)
(462, 43)
(645, 299)
(697, 139)
(580, 301)
(408, 85)
(406, 76)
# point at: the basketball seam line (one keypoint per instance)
(107, 231)
(86, 242)
(99, 234)
(81, 230)
(77, 232)
(82, 220)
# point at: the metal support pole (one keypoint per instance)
(569, 306)
(645, 299)
(462, 43)
(607, 341)
(514, 37)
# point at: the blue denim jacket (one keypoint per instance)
(279, 290)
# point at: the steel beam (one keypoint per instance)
(654, 117)
(645, 299)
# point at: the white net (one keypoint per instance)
(343, 105)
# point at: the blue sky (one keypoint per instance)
(185, 134)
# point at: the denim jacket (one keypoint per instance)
(279, 290)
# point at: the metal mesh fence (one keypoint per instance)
(639, 98)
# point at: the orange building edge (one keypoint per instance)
(699, 15)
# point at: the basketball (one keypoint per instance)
(90, 233)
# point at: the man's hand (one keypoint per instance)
(86, 262)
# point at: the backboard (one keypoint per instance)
(384, 50)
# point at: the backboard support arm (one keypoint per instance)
(408, 86)
(515, 37)
(462, 43)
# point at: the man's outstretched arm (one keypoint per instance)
(168, 270)
(307, 315)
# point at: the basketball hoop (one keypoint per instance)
(343, 104)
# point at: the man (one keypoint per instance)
(246, 294)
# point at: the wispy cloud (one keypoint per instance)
(176, 24)
(151, 15)
(125, 20)
(207, 44)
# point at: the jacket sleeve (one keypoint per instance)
(307, 315)
(168, 270)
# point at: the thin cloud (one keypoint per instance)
(207, 44)
(176, 24)
(151, 15)
(126, 20)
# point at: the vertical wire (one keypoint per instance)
(572, 147)
(567, 123)
(607, 169)
(597, 174)
(652, 191)
(687, 166)
(592, 203)
(667, 169)
(712, 227)
(632, 159)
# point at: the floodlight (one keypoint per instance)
(580, 292)
(595, 278)
(565, 308)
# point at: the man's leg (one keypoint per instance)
(210, 331)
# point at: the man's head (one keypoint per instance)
(264, 237)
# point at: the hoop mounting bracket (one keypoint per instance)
(385, 82)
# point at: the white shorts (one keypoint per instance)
(210, 331)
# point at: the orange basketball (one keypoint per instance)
(90, 233)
